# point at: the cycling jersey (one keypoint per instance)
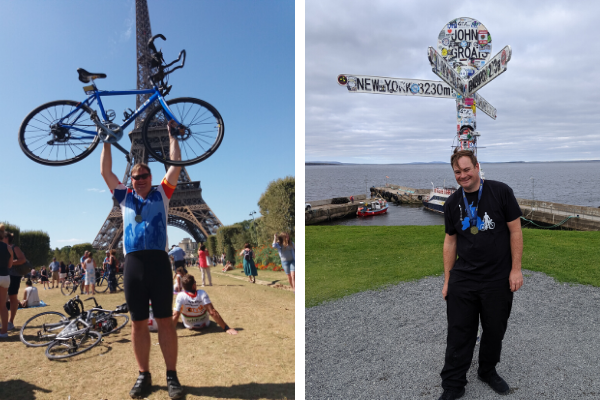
(191, 307)
(151, 232)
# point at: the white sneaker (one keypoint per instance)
(11, 327)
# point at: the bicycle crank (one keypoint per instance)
(108, 132)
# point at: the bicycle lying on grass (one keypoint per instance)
(73, 282)
(63, 132)
(75, 334)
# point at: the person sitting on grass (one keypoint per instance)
(228, 267)
(30, 297)
(194, 307)
(181, 272)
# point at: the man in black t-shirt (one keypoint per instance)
(484, 229)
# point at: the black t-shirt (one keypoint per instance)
(486, 256)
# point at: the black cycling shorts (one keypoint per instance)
(147, 277)
(15, 284)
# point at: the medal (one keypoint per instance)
(473, 217)
(138, 218)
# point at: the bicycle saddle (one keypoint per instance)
(85, 76)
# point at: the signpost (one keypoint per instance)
(462, 60)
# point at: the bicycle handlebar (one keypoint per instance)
(158, 60)
(151, 41)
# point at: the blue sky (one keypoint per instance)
(240, 58)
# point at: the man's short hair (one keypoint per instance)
(462, 153)
(137, 167)
(188, 282)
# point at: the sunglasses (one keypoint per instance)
(138, 177)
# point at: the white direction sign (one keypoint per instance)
(484, 106)
(442, 69)
(491, 70)
(407, 87)
(397, 86)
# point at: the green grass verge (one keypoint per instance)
(341, 260)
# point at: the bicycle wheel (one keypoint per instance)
(120, 282)
(43, 141)
(203, 135)
(112, 324)
(68, 288)
(40, 330)
(101, 285)
(78, 344)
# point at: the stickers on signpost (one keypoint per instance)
(496, 66)
(442, 69)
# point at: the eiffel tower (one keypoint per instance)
(187, 209)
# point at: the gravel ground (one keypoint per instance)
(390, 344)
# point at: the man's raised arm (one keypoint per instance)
(106, 167)
(172, 175)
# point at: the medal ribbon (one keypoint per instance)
(139, 205)
(473, 221)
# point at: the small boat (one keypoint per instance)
(373, 207)
(437, 198)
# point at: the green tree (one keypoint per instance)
(211, 245)
(78, 250)
(15, 230)
(277, 208)
(225, 240)
(36, 247)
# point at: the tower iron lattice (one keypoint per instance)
(187, 209)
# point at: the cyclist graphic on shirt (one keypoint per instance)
(484, 225)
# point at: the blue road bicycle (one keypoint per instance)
(64, 132)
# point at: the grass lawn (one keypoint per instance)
(273, 277)
(256, 363)
(341, 260)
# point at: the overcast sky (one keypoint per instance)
(547, 100)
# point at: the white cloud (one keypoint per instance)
(96, 190)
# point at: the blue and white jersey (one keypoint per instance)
(151, 232)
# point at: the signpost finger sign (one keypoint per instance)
(463, 62)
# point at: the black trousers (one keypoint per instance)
(467, 302)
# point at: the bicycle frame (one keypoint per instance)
(96, 97)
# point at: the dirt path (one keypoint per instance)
(256, 363)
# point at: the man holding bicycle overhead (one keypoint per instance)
(147, 275)
(484, 229)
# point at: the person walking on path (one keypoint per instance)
(90, 275)
(249, 267)
(286, 249)
(62, 274)
(54, 268)
(203, 265)
(44, 277)
(147, 270)
(479, 285)
(111, 267)
(15, 280)
(178, 257)
(6, 260)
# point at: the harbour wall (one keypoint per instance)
(324, 210)
(536, 213)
